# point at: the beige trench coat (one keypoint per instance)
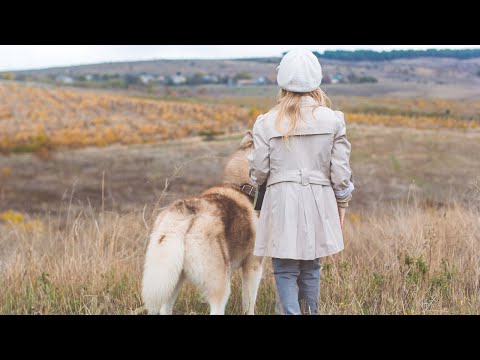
(299, 217)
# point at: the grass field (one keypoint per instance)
(401, 260)
(74, 221)
(40, 119)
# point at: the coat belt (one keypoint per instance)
(301, 176)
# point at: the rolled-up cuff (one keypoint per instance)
(345, 193)
(343, 203)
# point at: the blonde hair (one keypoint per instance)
(289, 107)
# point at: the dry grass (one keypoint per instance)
(407, 260)
(404, 254)
(415, 257)
(37, 119)
(385, 160)
(91, 266)
(414, 261)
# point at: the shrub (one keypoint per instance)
(209, 135)
(8, 76)
(361, 79)
(243, 76)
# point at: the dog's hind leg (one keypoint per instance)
(218, 296)
(167, 308)
(251, 277)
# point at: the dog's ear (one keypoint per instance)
(247, 140)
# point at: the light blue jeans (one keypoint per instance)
(298, 286)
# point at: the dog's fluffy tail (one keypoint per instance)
(164, 258)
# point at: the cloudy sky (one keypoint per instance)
(18, 57)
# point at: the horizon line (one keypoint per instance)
(218, 59)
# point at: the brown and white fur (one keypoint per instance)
(203, 240)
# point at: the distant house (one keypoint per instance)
(64, 79)
(178, 79)
(90, 77)
(147, 78)
(262, 80)
(337, 78)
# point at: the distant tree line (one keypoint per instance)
(370, 55)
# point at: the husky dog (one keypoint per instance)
(204, 240)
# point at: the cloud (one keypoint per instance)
(17, 57)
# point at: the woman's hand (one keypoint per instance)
(341, 213)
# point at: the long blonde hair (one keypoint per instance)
(289, 107)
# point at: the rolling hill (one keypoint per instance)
(418, 70)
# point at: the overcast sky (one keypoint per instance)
(18, 57)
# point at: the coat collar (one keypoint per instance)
(308, 101)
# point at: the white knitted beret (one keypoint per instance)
(299, 71)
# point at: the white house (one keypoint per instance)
(178, 79)
(261, 80)
(64, 79)
(146, 78)
(337, 78)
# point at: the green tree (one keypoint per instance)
(243, 76)
(370, 55)
(8, 76)
(196, 79)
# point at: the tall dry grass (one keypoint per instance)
(408, 259)
(89, 266)
(413, 260)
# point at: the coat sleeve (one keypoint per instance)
(259, 159)
(340, 171)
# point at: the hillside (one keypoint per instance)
(39, 119)
(418, 70)
(35, 118)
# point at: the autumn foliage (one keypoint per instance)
(34, 118)
(39, 119)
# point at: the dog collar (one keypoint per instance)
(248, 189)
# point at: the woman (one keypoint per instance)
(302, 153)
